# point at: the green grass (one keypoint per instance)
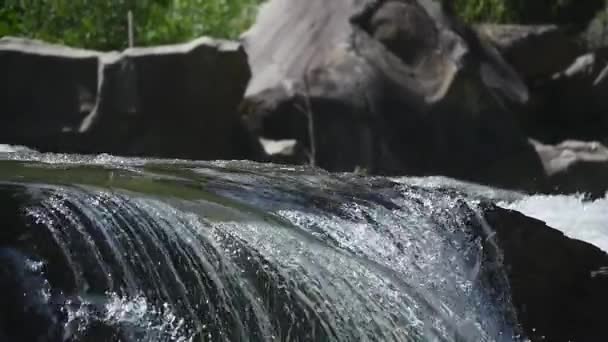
(102, 24)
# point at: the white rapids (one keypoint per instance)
(574, 216)
(4, 148)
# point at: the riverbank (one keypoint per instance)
(368, 93)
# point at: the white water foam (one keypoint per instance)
(135, 317)
(4, 148)
(577, 218)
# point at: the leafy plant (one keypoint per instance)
(102, 24)
(485, 10)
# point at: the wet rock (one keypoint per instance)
(575, 167)
(558, 284)
(177, 101)
(24, 301)
(393, 87)
(571, 104)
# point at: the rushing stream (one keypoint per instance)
(573, 215)
(109, 249)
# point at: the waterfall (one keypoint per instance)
(133, 250)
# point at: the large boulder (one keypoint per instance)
(177, 101)
(567, 85)
(558, 285)
(392, 87)
(45, 91)
(535, 51)
(572, 103)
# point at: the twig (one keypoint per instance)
(130, 27)
(307, 110)
(311, 124)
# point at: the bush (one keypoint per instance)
(102, 24)
(575, 13)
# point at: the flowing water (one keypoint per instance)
(576, 216)
(110, 249)
(573, 215)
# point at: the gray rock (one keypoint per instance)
(572, 103)
(177, 101)
(45, 92)
(535, 51)
(576, 167)
(558, 285)
(393, 87)
(567, 86)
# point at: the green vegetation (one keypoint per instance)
(485, 10)
(102, 24)
(575, 13)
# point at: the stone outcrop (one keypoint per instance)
(558, 285)
(392, 87)
(45, 91)
(397, 87)
(535, 51)
(566, 76)
(177, 101)
(567, 110)
(572, 103)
